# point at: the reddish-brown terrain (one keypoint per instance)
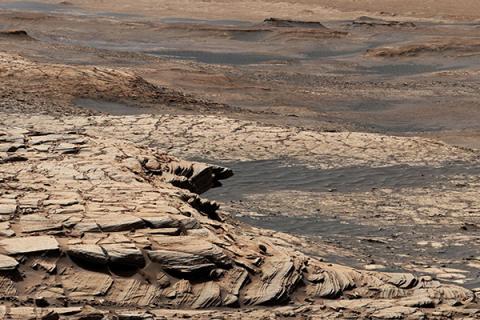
(331, 159)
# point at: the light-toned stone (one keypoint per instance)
(7, 263)
(34, 244)
(88, 253)
(7, 208)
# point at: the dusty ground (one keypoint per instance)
(352, 129)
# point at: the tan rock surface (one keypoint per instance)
(96, 225)
(98, 200)
(34, 244)
(223, 139)
(60, 83)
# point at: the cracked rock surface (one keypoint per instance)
(224, 139)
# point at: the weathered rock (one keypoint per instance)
(5, 229)
(16, 34)
(88, 253)
(36, 223)
(194, 246)
(121, 222)
(402, 280)
(7, 208)
(277, 282)
(196, 177)
(7, 287)
(7, 263)
(67, 148)
(163, 231)
(394, 313)
(180, 261)
(124, 254)
(373, 22)
(181, 290)
(275, 22)
(134, 292)
(86, 284)
(160, 220)
(207, 295)
(134, 315)
(112, 218)
(233, 281)
(418, 301)
(162, 280)
(333, 282)
(48, 138)
(34, 244)
(47, 264)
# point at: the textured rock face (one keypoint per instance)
(104, 225)
(237, 140)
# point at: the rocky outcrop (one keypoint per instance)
(104, 226)
(7, 263)
(88, 253)
(62, 84)
(432, 47)
(15, 34)
(25, 245)
(375, 22)
(297, 29)
(285, 23)
(194, 176)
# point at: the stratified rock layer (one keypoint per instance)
(101, 222)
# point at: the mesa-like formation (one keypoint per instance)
(90, 220)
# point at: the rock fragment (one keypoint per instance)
(122, 222)
(138, 242)
(7, 209)
(124, 254)
(85, 284)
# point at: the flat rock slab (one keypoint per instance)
(8, 208)
(154, 245)
(123, 254)
(133, 292)
(88, 253)
(36, 223)
(7, 263)
(113, 223)
(180, 261)
(163, 231)
(29, 244)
